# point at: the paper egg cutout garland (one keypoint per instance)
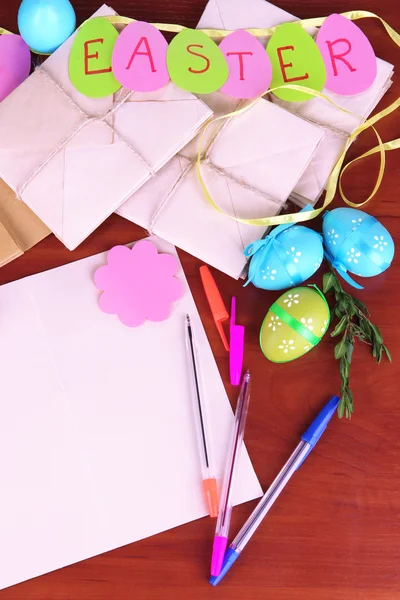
(294, 324)
(357, 243)
(289, 255)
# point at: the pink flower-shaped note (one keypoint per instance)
(138, 284)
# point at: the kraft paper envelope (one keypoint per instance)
(234, 14)
(97, 438)
(72, 159)
(251, 164)
(20, 228)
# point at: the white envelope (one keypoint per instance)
(73, 176)
(253, 164)
(235, 14)
(97, 439)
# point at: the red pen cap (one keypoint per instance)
(217, 306)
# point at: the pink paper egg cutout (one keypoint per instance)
(15, 63)
(250, 70)
(348, 55)
(140, 58)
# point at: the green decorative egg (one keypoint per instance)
(294, 324)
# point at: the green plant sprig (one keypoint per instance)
(353, 324)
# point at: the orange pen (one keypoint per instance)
(218, 310)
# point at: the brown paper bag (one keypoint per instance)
(20, 228)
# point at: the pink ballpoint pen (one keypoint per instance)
(226, 502)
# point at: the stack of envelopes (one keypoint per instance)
(336, 124)
(74, 160)
(79, 159)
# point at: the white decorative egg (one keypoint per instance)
(289, 255)
(356, 242)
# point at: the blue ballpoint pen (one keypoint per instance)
(307, 443)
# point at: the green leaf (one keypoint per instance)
(340, 409)
(352, 315)
(349, 351)
(350, 403)
(377, 333)
(351, 310)
(344, 370)
(340, 348)
(379, 357)
(386, 350)
(366, 328)
(337, 287)
(361, 305)
(328, 282)
(341, 326)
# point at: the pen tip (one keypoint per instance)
(187, 319)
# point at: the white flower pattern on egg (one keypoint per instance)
(269, 273)
(274, 323)
(307, 323)
(333, 236)
(307, 348)
(324, 326)
(292, 299)
(286, 346)
(380, 242)
(353, 256)
(294, 254)
(356, 223)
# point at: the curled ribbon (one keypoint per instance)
(4, 31)
(335, 176)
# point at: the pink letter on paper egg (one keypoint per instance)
(15, 63)
(140, 58)
(348, 55)
(250, 69)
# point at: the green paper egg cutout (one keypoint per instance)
(294, 324)
(195, 63)
(295, 60)
(90, 60)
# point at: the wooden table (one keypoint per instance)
(334, 534)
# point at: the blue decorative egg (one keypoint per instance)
(356, 242)
(289, 255)
(46, 24)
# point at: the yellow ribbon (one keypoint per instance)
(335, 176)
(4, 31)
(259, 32)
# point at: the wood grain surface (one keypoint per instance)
(334, 534)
